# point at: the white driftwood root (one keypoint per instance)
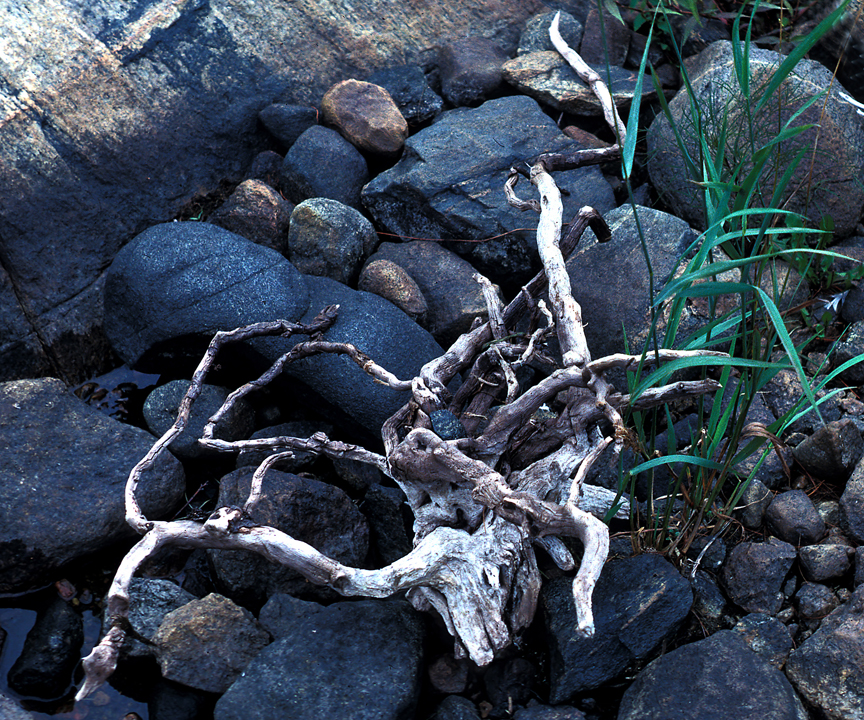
(482, 503)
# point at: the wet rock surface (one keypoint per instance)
(639, 601)
(718, 678)
(321, 665)
(62, 477)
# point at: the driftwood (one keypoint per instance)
(482, 502)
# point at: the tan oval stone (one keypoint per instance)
(390, 281)
(366, 116)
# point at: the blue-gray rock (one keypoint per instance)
(329, 239)
(638, 602)
(548, 712)
(282, 612)
(793, 517)
(766, 636)
(63, 471)
(301, 459)
(718, 678)
(11, 710)
(814, 601)
(852, 505)
(194, 279)
(449, 184)
(206, 643)
(306, 509)
(825, 562)
(832, 452)
(321, 163)
(470, 70)
(456, 707)
(611, 282)
(753, 503)
(837, 165)
(383, 507)
(709, 604)
(755, 572)
(288, 122)
(410, 91)
(446, 425)
(163, 404)
(374, 326)
(51, 652)
(827, 669)
(359, 660)
(453, 297)
(535, 36)
(172, 701)
(150, 600)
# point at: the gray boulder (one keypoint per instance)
(449, 184)
(718, 678)
(359, 660)
(611, 282)
(373, 325)
(832, 176)
(755, 572)
(306, 509)
(826, 669)
(638, 602)
(178, 280)
(62, 479)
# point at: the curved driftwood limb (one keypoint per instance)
(481, 503)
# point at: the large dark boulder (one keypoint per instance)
(449, 184)
(352, 659)
(116, 117)
(63, 472)
(185, 281)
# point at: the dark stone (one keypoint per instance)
(62, 479)
(321, 163)
(709, 604)
(282, 612)
(449, 675)
(793, 517)
(305, 509)
(288, 122)
(266, 167)
(163, 405)
(827, 669)
(11, 710)
(535, 36)
(605, 41)
(611, 282)
(814, 601)
(753, 503)
(638, 602)
(509, 683)
(454, 707)
(257, 212)
(718, 678)
(376, 327)
(446, 281)
(302, 458)
(207, 643)
(410, 91)
(194, 279)
(446, 425)
(849, 347)
(150, 600)
(470, 70)
(323, 667)
(172, 701)
(51, 652)
(329, 239)
(709, 551)
(859, 566)
(767, 637)
(784, 394)
(383, 509)
(755, 572)
(449, 182)
(825, 562)
(546, 712)
(840, 195)
(832, 452)
(95, 151)
(852, 505)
